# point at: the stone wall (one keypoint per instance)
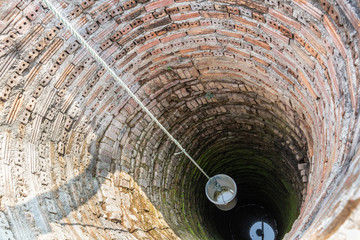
(265, 91)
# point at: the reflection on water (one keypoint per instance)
(262, 231)
(242, 223)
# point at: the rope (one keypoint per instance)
(113, 74)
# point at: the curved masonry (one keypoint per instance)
(265, 91)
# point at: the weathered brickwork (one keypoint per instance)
(81, 160)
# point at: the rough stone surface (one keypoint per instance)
(80, 160)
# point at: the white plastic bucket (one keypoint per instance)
(221, 190)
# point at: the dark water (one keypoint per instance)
(246, 222)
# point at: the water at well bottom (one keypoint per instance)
(247, 222)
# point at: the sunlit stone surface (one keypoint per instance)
(265, 91)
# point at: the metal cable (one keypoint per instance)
(94, 54)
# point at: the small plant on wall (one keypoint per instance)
(209, 95)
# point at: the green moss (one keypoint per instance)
(192, 232)
(253, 168)
(203, 234)
(292, 207)
(246, 167)
(183, 203)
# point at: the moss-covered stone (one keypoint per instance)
(261, 177)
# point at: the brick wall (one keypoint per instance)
(80, 160)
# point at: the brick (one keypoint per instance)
(186, 50)
(121, 54)
(217, 23)
(257, 6)
(116, 11)
(199, 40)
(233, 10)
(333, 77)
(116, 36)
(106, 44)
(351, 81)
(150, 35)
(205, 22)
(148, 45)
(308, 7)
(181, 17)
(148, 18)
(196, 7)
(280, 56)
(208, 47)
(129, 4)
(136, 23)
(161, 32)
(222, 15)
(239, 52)
(229, 34)
(335, 36)
(305, 81)
(269, 56)
(315, 29)
(159, 14)
(334, 14)
(285, 8)
(104, 18)
(282, 75)
(228, 25)
(87, 3)
(257, 43)
(130, 37)
(173, 37)
(243, 20)
(172, 10)
(194, 24)
(220, 7)
(251, 32)
(183, 25)
(274, 34)
(314, 42)
(162, 57)
(284, 19)
(310, 49)
(158, 4)
(140, 40)
(292, 73)
(299, 39)
(351, 15)
(272, 24)
(259, 17)
(240, 28)
(303, 55)
(321, 62)
(285, 31)
(200, 31)
(162, 22)
(260, 69)
(126, 29)
(259, 60)
(208, 7)
(127, 60)
(156, 51)
(132, 15)
(184, 8)
(172, 27)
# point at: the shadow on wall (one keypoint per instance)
(113, 210)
